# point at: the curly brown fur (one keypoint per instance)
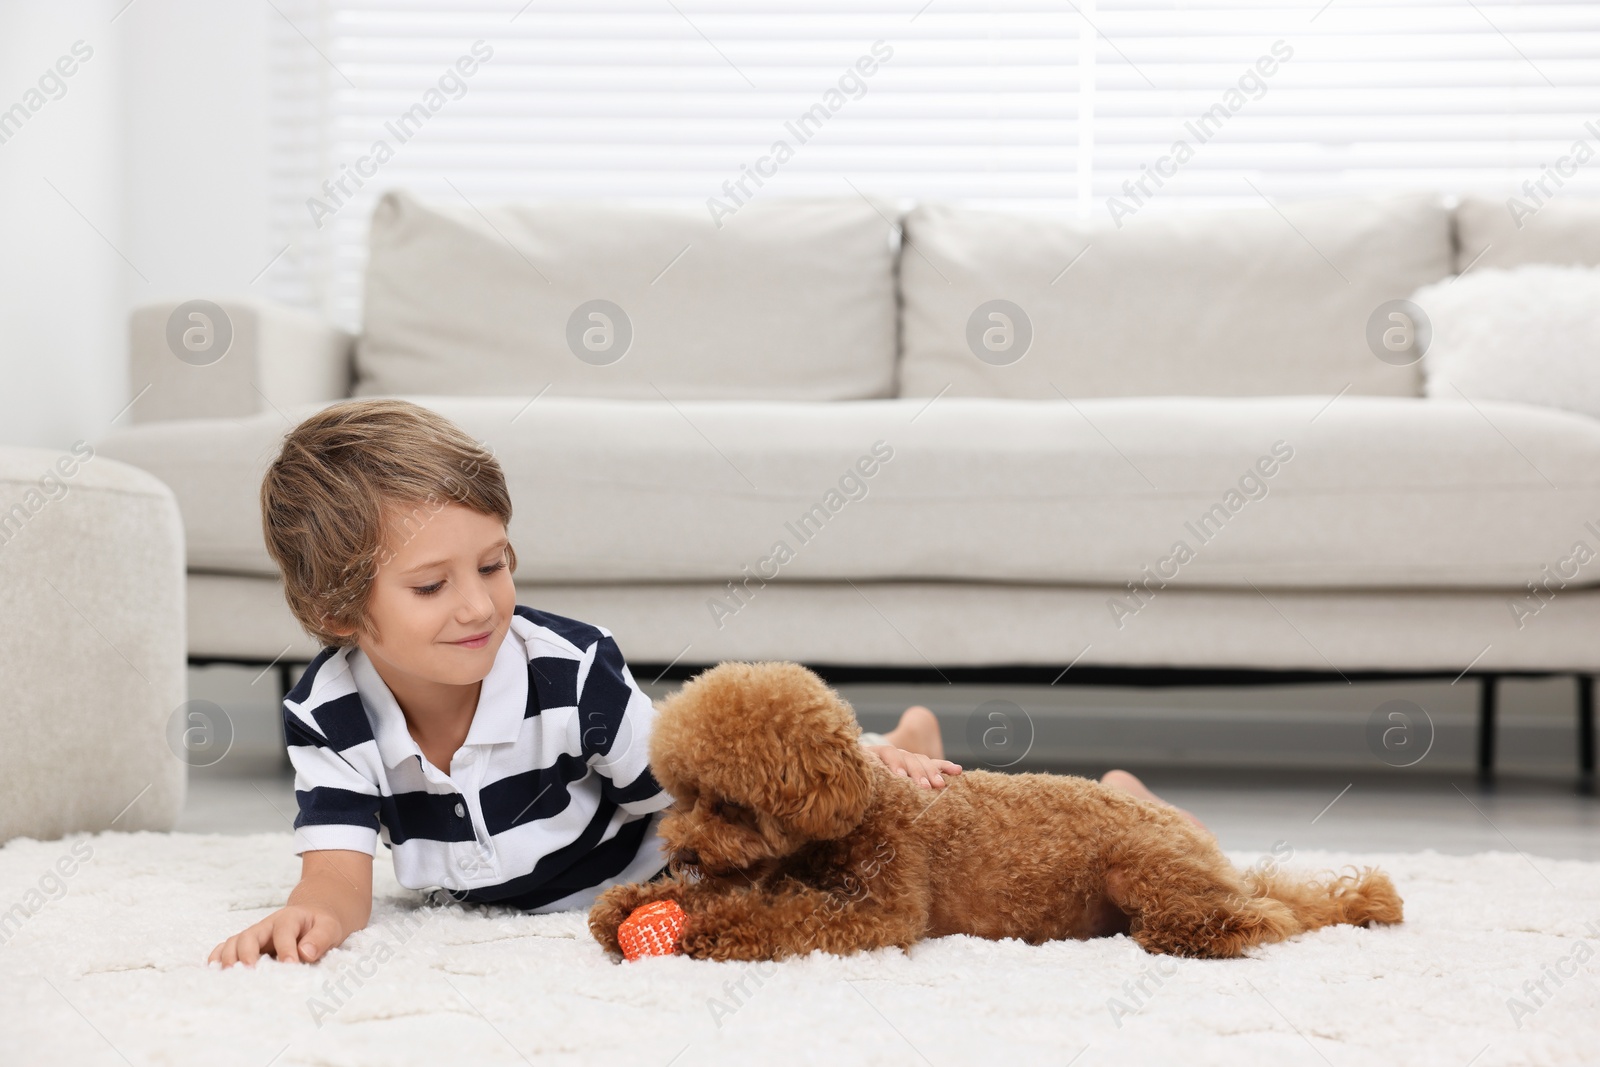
(786, 837)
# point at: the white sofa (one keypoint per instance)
(804, 438)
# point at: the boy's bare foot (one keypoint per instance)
(1127, 783)
(918, 732)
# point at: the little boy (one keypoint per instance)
(499, 751)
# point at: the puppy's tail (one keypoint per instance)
(1357, 899)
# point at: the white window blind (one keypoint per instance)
(1043, 105)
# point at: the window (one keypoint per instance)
(1097, 108)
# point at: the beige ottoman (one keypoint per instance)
(92, 650)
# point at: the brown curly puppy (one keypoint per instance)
(786, 837)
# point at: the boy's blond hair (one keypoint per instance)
(349, 476)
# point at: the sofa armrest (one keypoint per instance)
(204, 359)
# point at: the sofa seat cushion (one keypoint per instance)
(1252, 301)
(789, 299)
(1300, 491)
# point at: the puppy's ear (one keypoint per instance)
(827, 796)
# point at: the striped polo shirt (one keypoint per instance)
(549, 799)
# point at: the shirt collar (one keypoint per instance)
(502, 702)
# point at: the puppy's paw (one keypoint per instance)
(700, 946)
(710, 946)
(613, 906)
(698, 941)
(708, 937)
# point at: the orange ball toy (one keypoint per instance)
(651, 930)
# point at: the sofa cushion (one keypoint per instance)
(1525, 334)
(1564, 230)
(1273, 491)
(1244, 302)
(785, 299)
(985, 624)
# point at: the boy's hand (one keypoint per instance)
(925, 771)
(292, 934)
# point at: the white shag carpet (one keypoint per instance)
(107, 966)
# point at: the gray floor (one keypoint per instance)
(1285, 766)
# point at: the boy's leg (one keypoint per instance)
(917, 732)
(1127, 783)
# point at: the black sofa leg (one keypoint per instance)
(1486, 731)
(1586, 734)
(286, 680)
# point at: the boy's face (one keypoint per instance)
(441, 580)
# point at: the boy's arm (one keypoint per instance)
(332, 901)
(615, 718)
(338, 803)
(614, 722)
(339, 882)
(336, 836)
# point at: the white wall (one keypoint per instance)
(160, 141)
(63, 286)
(196, 163)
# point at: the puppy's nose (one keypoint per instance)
(688, 857)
